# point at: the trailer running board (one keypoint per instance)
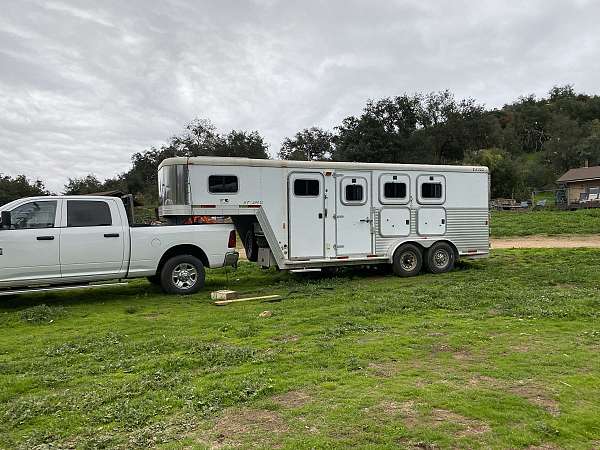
(316, 269)
(67, 287)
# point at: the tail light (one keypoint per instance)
(232, 239)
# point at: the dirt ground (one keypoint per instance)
(537, 241)
(540, 241)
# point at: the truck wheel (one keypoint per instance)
(251, 246)
(440, 257)
(182, 275)
(408, 260)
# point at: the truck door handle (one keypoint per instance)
(320, 215)
(111, 235)
(367, 220)
(45, 238)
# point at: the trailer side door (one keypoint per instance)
(353, 214)
(306, 211)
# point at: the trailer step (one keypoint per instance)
(316, 269)
(60, 288)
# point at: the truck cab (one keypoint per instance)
(53, 238)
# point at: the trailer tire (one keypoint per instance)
(408, 260)
(440, 257)
(251, 246)
(182, 275)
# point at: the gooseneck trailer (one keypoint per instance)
(300, 215)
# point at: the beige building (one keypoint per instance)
(582, 184)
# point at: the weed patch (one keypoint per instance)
(41, 314)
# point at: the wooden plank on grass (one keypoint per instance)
(237, 300)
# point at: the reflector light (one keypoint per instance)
(232, 239)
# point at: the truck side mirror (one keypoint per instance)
(6, 221)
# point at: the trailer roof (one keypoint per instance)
(223, 161)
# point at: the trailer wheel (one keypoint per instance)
(440, 257)
(408, 260)
(251, 246)
(182, 275)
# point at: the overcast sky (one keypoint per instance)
(84, 84)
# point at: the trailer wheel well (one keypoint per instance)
(403, 244)
(184, 249)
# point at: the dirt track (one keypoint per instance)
(560, 241)
(537, 241)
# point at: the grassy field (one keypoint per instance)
(500, 353)
(507, 223)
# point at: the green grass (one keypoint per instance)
(500, 353)
(508, 223)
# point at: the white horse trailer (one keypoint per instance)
(308, 214)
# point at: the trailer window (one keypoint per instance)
(431, 190)
(394, 190)
(88, 214)
(222, 184)
(354, 193)
(306, 188)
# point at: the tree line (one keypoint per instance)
(526, 144)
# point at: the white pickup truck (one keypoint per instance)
(62, 242)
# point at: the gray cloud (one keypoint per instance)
(85, 84)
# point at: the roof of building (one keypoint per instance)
(580, 174)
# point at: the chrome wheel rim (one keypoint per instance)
(441, 258)
(408, 261)
(184, 276)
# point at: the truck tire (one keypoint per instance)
(251, 246)
(440, 257)
(182, 275)
(408, 260)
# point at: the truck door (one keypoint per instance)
(353, 214)
(306, 209)
(92, 241)
(29, 249)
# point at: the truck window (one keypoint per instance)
(222, 184)
(354, 193)
(88, 213)
(394, 190)
(431, 190)
(306, 187)
(34, 215)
